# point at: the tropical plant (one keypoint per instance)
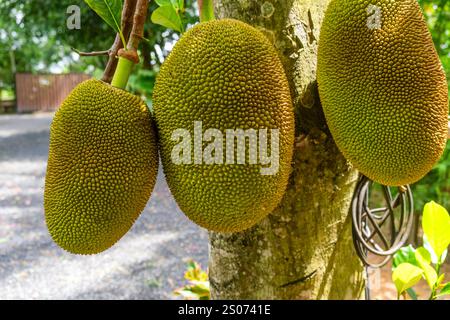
(410, 265)
(198, 287)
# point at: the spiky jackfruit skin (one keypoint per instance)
(102, 167)
(227, 75)
(383, 90)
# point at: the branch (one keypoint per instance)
(137, 33)
(129, 57)
(126, 25)
(112, 61)
(91, 54)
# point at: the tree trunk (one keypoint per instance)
(304, 249)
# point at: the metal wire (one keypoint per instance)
(368, 231)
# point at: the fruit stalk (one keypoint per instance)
(123, 71)
(129, 7)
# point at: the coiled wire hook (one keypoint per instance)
(368, 223)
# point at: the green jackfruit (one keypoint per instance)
(383, 88)
(221, 75)
(102, 167)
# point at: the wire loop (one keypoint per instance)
(369, 225)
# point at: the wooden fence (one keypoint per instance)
(44, 92)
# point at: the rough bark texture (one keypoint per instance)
(303, 250)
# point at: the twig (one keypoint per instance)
(137, 33)
(91, 54)
(126, 25)
(112, 61)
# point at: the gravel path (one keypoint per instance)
(148, 262)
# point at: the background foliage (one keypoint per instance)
(436, 185)
(34, 38)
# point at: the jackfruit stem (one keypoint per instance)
(206, 10)
(126, 25)
(129, 57)
(123, 71)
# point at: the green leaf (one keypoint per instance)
(164, 2)
(405, 276)
(191, 265)
(167, 17)
(405, 254)
(412, 293)
(175, 4)
(423, 257)
(109, 10)
(440, 279)
(445, 290)
(434, 258)
(194, 273)
(186, 293)
(436, 226)
(444, 255)
(200, 289)
(427, 245)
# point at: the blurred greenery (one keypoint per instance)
(34, 38)
(437, 14)
(436, 185)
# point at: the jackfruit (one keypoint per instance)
(383, 88)
(224, 75)
(102, 167)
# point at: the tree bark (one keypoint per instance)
(304, 249)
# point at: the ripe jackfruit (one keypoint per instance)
(382, 88)
(224, 74)
(102, 167)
